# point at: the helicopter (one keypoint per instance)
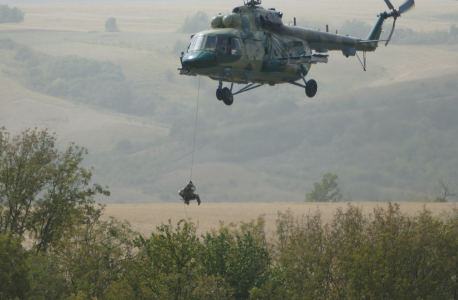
(252, 46)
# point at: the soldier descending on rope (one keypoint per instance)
(188, 193)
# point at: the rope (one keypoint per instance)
(186, 212)
(195, 130)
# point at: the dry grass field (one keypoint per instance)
(145, 217)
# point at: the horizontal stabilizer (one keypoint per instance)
(371, 41)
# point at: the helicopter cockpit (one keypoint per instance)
(222, 44)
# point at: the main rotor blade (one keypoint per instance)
(409, 4)
(390, 6)
(391, 33)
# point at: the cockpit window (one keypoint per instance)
(213, 43)
(200, 42)
(192, 44)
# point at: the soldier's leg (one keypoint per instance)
(197, 198)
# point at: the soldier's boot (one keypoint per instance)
(197, 198)
(186, 201)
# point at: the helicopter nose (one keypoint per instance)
(199, 60)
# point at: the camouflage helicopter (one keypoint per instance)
(252, 46)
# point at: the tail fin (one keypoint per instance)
(376, 31)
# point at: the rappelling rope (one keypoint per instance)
(195, 130)
(186, 212)
(194, 146)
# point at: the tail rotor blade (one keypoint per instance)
(391, 33)
(390, 6)
(409, 4)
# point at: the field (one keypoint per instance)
(144, 218)
(370, 128)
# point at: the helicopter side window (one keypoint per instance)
(210, 43)
(236, 48)
(221, 45)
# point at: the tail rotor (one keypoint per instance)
(409, 4)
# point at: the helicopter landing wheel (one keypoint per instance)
(219, 94)
(228, 99)
(311, 88)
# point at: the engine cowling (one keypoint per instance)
(227, 21)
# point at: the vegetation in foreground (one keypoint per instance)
(45, 195)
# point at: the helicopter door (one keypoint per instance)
(236, 46)
(221, 45)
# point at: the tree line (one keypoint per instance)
(47, 197)
(98, 83)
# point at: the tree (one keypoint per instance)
(111, 26)
(196, 23)
(445, 192)
(11, 15)
(13, 267)
(43, 191)
(326, 191)
(169, 262)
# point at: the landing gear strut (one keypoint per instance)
(226, 95)
(310, 86)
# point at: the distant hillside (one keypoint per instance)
(389, 133)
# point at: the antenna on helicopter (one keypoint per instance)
(252, 3)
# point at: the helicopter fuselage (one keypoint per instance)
(253, 46)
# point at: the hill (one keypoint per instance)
(388, 132)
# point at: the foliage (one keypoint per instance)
(240, 260)
(7, 43)
(388, 255)
(326, 191)
(11, 15)
(46, 277)
(198, 22)
(169, 265)
(43, 191)
(80, 80)
(13, 267)
(110, 25)
(97, 256)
